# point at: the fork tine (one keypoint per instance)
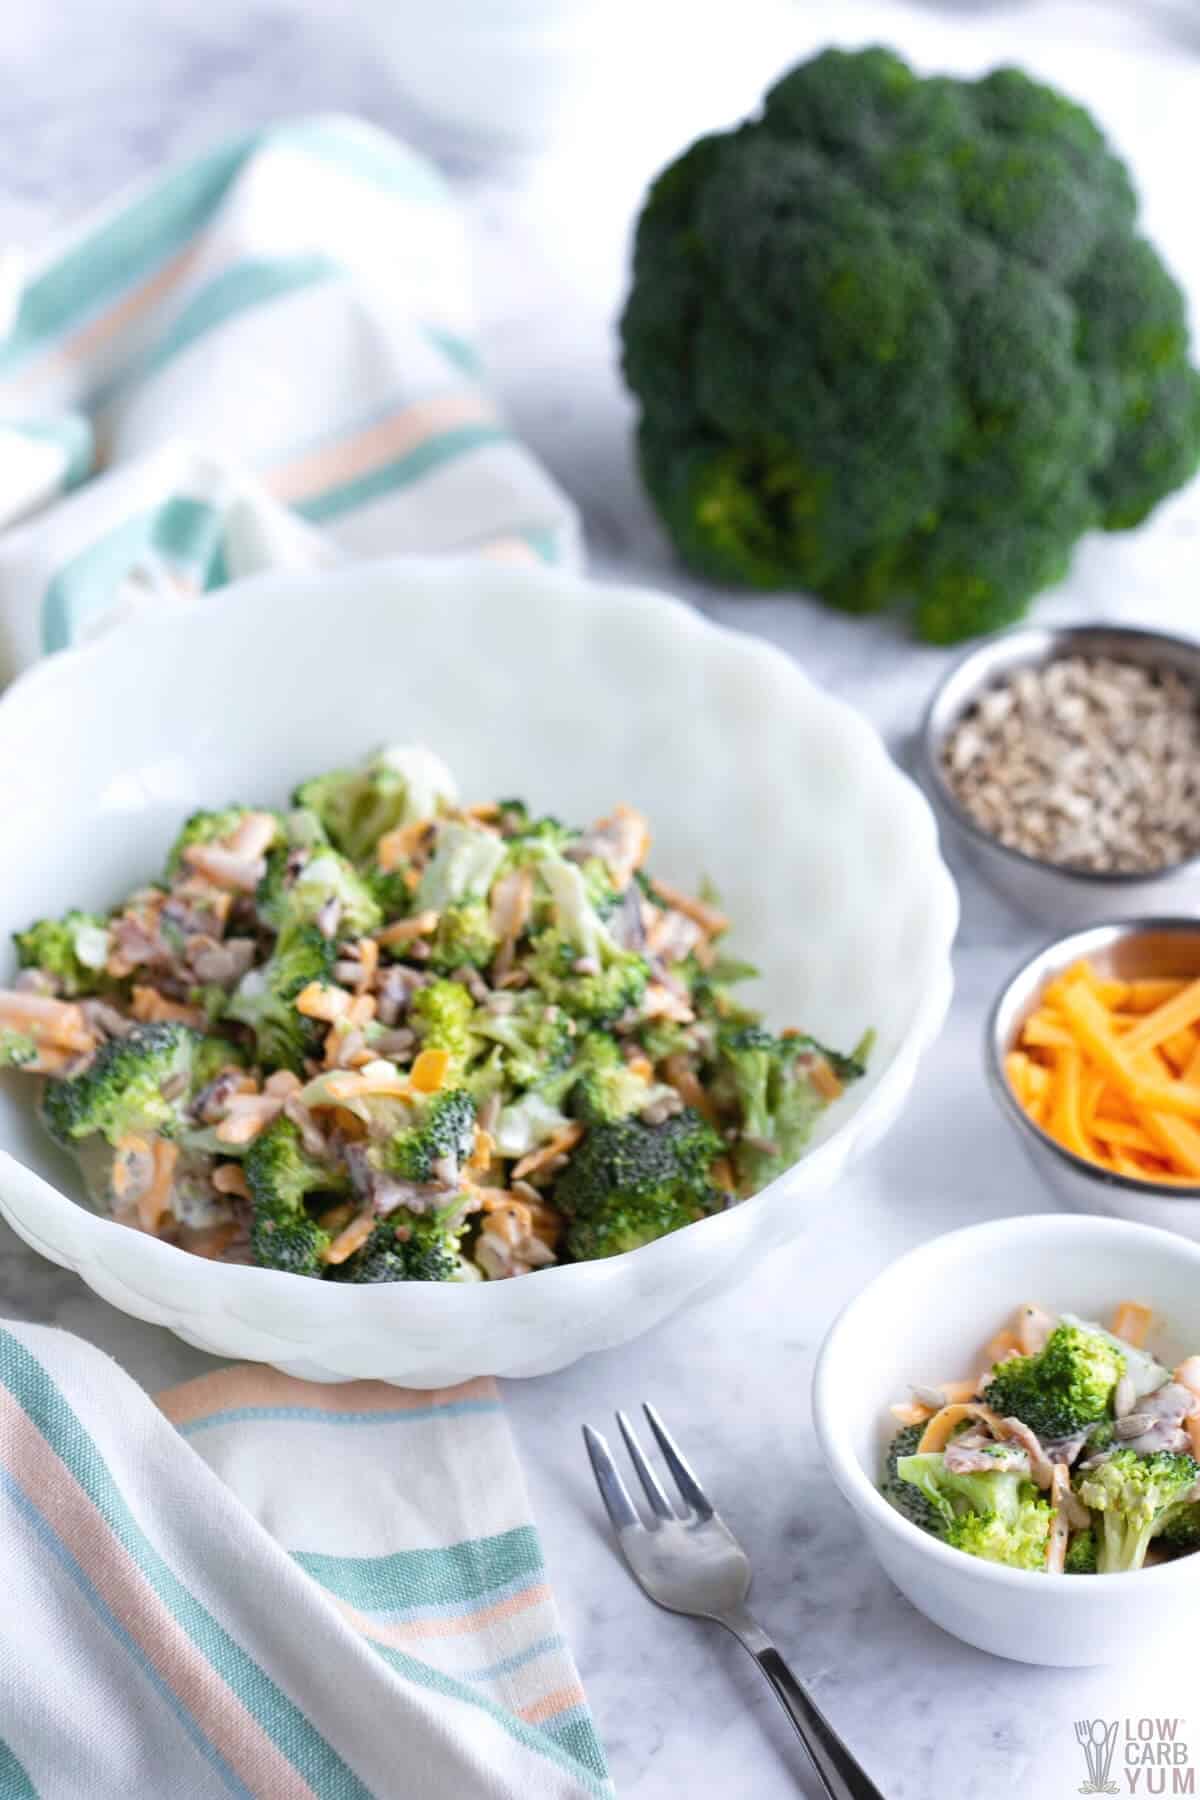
(655, 1494)
(689, 1487)
(613, 1492)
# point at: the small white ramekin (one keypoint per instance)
(925, 1320)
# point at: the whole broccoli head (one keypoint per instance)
(282, 1178)
(899, 339)
(406, 1247)
(74, 949)
(1136, 1497)
(265, 999)
(463, 937)
(629, 1183)
(135, 1085)
(1067, 1386)
(995, 1514)
(294, 892)
(436, 1144)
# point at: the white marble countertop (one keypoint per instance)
(92, 97)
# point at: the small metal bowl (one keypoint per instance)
(1124, 950)
(1049, 891)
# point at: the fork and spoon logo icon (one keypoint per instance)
(1098, 1739)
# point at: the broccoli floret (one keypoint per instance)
(406, 1246)
(904, 1496)
(1136, 1498)
(1082, 1554)
(442, 1133)
(442, 1014)
(899, 339)
(17, 1050)
(265, 998)
(289, 896)
(765, 1081)
(393, 788)
(596, 995)
(465, 861)
(536, 1039)
(135, 1085)
(995, 1514)
(463, 937)
(629, 1183)
(74, 949)
(1181, 1533)
(1018, 1543)
(606, 1088)
(209, 1056)
(203, 828)
(1067, 1386)
(390, 891)
(282, 1177)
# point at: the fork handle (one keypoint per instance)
(841, 1777)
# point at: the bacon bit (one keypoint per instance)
(401, 845)
(560, 1145)
(359, 1087)
(152, 1008)
(723, 1176)
(253, 837)
(320, 1001)
(512, 1222)
(224, 868)
(485, 809)
(127, 1148)
(405, 930)
(283, 1083)
(351, 1238)
(211, 1241)
(368, 963)
(246, 1115)
(60, 1022)
(155, 1204)
(483, 1151)
(711, 922)
(824, 1079)
(429, 1071)
(1060, 1530)
(230, 1178)
(686, 1084)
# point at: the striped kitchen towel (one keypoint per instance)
(275, 1590)
(262, 357)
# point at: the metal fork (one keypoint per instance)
(690, 1562)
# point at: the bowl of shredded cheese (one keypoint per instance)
(1093, 1050)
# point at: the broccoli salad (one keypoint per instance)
(1073, 1452)
(382, 1036)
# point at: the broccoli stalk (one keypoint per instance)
(395, 787)
(629, 1183)
(606, 1088)
(1136, 1497)
(1067, 1386)
(993, 1514)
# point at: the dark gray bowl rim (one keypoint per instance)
(946, 798)
(1002, 1088)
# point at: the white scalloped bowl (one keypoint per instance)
(527, 681)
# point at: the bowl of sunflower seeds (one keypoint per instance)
(1065, 763)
